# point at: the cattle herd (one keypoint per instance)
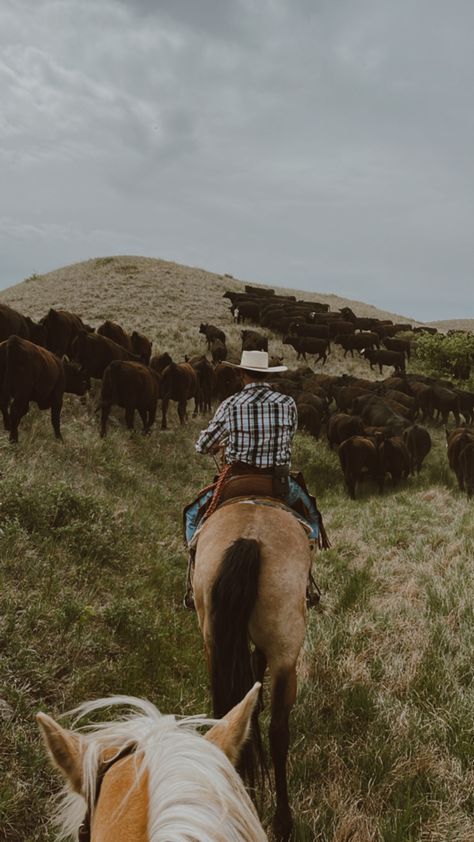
(374, 424)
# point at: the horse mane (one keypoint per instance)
(193, 790)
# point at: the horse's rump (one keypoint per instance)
(251, 571)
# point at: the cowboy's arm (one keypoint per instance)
(294, 419)
(214, 432)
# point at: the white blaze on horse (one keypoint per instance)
(152, 778)
(251, 570)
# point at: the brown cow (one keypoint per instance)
(445, 401)
(309, 419)
(116, 333)
(31, 373)
(457, 440)
(466, 468)
(359, 460)
(393, 458)
(218, 351)
(160, 361)
(179, 383)
(211, 332)
(226, 382)
(205, 372)
(62, 328)
(253, 341)
(141, 346)
(418, 442)
(342, 427)
(134, 386)
(13, 323)
(94, 353)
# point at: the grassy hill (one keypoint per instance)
(92, 567)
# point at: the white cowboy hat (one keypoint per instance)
(256, 361)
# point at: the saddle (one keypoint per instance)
(247, 485)
(244, 481)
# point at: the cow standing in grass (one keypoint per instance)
(211, 332)
(13, 323)
(30, 373)
(133, 386)
(94, 353)
(61, 329)
(116, 333)
(179, 383)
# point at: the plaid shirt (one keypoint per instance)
(259, 425)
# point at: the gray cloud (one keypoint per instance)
(319, 145)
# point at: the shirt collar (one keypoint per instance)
(258, 384)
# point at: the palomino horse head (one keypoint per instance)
(152, 778)
(251, 571)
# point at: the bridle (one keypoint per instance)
(84, 833)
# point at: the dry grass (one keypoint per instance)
(91, 578)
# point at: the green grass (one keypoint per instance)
(92, 567)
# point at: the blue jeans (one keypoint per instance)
(295, 494)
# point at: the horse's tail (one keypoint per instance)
(233, 598)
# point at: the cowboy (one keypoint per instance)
(257, 425)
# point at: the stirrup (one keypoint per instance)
(313, 594)
(188, 600)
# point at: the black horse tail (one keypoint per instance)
(233, 598)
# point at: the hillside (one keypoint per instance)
(454, 324)
(92, 568)
(147, 294)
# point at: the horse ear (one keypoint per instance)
(65, 749)
(233, 730)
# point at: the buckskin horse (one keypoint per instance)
(251, 570)
(151, 778)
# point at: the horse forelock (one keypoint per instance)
(193, 791)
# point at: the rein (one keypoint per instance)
(84, 833)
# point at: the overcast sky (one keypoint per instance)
(320, 144)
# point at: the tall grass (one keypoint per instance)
(91, 579)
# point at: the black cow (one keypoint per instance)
(356, 342)
(445, 401)
(308, 345)
(359, 461)
(394, 344)
(381, 358)
(393, 458)
(306, 329)
(342, 427)
(218, 351)
(253, 341)
(246, 310)
(211, 332)
(418, 442)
